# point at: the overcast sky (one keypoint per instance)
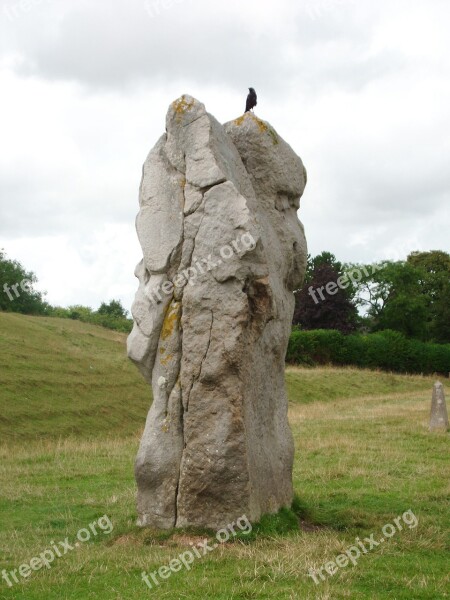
(359, 88)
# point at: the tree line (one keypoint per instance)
(410, 296)
(18, 294)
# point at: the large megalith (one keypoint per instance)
(223, 251)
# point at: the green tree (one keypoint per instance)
(409, 296)
(393, 296)
(324, 258)
(434, 268)
(17, 293)
(113, 309)
(78, 312)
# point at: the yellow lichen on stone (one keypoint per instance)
(273, 134)
(166, 360)
(240, 120)
(181, 106)
(171, 319)
(166, 424)
(263, 127)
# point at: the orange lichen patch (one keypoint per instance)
(171, 319)
(263, 127)
(165, 427)
(181, 105)
(166, 359)
(239, 120)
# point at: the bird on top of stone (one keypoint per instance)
(251, 100)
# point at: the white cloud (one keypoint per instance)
(76, 269)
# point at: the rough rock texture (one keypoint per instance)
(223, 250)
(438, 415)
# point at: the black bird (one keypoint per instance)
(251, 100)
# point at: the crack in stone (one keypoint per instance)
(193, 120)
(207, 347)
(203, 190)
(195, 379)
(181, 422)
(185, 410)
(195, 239)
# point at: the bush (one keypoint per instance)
(387, 350)
(87, 315)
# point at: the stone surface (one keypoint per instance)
(438, 416)
(223, 251)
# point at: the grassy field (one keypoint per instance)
(71, 412)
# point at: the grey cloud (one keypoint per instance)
(31, 206)
(117, 44)
(378, 182)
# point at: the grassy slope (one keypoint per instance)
(363, 457)
(60, 377)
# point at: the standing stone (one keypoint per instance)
(438, 416)
(223, 251)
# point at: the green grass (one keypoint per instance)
(69, 434)
(306, 385)
(60, 377)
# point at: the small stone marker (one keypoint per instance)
(439, 416)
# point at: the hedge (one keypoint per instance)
(387, 350)
(87, 315)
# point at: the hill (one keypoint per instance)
(71, 411)
(60, 377)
